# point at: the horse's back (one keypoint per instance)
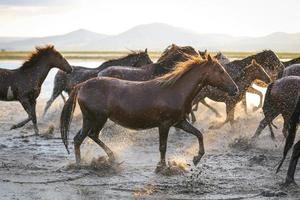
(292, 70)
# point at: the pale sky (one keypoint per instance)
(235, 17)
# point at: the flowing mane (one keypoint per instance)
(173, 48)
(179, 70)
(36, 55)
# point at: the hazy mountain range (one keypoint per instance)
(156, 36)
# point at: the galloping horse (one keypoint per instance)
(267, 59)
(165, 63)
(162, 102)
(66, 82)
(293, 123)
(252, 72)
(281, 98)
(24, 84)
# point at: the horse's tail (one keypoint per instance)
(291, 133)
(66, 116)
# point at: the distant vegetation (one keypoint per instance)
(105, 55)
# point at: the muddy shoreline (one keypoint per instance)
(232, 168)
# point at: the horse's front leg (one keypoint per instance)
(186, 126)
(20, 124)
(163, 137)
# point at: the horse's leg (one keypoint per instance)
(63, 97)
(20, 124)
(193, 117)
(78, 139)
(285, 126)
(195, 107)
(186, 126)
(260, 94)
(29, 107)
(271, 131)
(293, 163)
(94, 135)
(211, 108)
(263, 123)
(163, 138)
(57, 90)
(229, 116)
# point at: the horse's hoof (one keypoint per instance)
(289, 182)
(160, 167)
(197, 159)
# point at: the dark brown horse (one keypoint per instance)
(291, 62)
(268, 60)
(66, 82)
(293, 123)
(281, 98)
(165, 63)
(162, 102)
(24, 84)
(252, 72)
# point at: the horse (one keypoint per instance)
(165, 63)
(294, 121)
(252, 72)
(24, 83)
(66, 82)
(281, 98)
(161, 102)
(291, 62)
(268, 60)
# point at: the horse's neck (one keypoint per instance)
(190, 84)
(159, 69)
(39, 72)
(246, 81)
(149, 69)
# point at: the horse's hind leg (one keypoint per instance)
(94, 135)
(186, 126)
(293, 163)
(211, 108)
(244, 104)
(263, 123)
(57, 90)
(271, 131)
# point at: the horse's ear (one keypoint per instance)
(146, 50)
(253, 62)
(209, 58)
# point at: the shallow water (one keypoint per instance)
(232, 167)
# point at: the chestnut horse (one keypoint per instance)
(162, 102)
(66, 82)
(24, 84)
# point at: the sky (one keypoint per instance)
(25, 18)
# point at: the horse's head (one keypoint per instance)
(258, 72)
(218, 77)
(57, 60)
(203, 54)
(142, 58)
(222, 58)
(271, 63)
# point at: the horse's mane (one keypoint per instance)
(179, 70)
(173, 48)
(35, 56)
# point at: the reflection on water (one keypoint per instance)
(48, 84)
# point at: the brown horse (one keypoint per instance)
(252, 72)
(281, 98)
(24, 84)
(165, 63)
(293, 123)
(162, 102)
(66, 82)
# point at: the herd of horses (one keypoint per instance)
(137, 93)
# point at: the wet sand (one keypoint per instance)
(232, 168)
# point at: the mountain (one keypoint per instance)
(157, 36)
(71, 41)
